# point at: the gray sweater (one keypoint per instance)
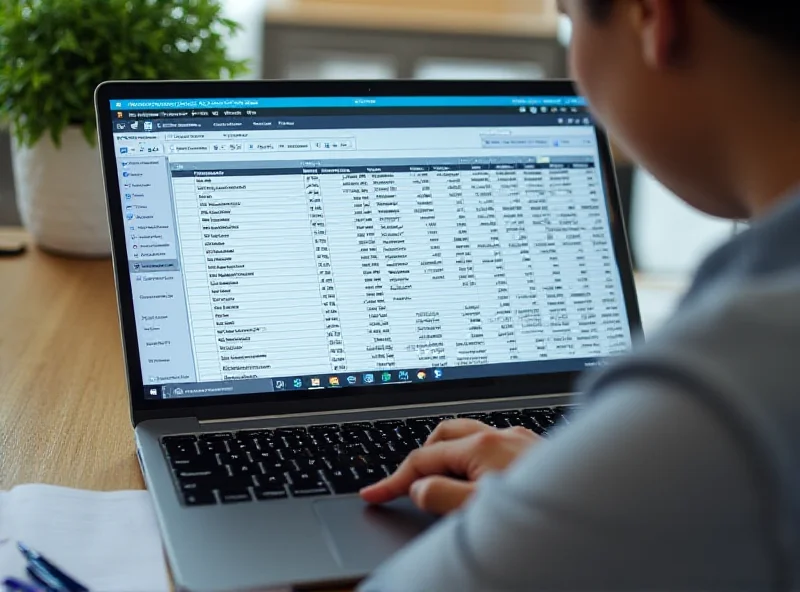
(682, 470)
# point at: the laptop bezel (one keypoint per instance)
(272, 404)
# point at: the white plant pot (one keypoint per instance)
(61, 197)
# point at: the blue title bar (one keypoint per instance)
(326, 102)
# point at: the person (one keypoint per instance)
(681, 471)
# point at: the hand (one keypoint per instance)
(460, 448)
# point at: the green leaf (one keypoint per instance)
(53, 53)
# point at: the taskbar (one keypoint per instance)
(175, 388)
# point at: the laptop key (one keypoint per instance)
(310, 463)
(241, 445)
(342, 481)
(476, 416)
(296, 431)
(357, 425)
(197, 464)
(216, 436)
(270, 492)
(305, 484)
(213, 446)
(180, 438)
(199, 498)
(370, 475)
(270, 479)
(402, 446)
(211, 474)
(498, 421)
(192, 486)
(388, 424)
(234, 495)
(244, 470)
(233, 458)
(275, 466)
(329, 427)
(180, 448)
(255, 433)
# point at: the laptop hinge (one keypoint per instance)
(420, 406)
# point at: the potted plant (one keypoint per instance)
(53, 53)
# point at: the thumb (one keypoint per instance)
(440, 495)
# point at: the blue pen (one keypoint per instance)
(15, 585)
(48, 574)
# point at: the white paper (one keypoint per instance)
(108, 541)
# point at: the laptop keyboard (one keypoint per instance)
(318, 460)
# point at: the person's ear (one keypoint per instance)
(660, 27)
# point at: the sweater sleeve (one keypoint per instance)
(646, 489)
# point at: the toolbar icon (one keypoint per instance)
(333, 381)
(369, 378)
(316, 382)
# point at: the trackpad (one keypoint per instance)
(362, 536)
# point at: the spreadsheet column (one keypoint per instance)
(601, 268)
(267, 311)
(564, 228)
(511, 229)
(188, 205)
(517, 226)
(432, 300)
(400, 257)
(533, 322)
(353, 239)
(321, 199)
(490, 275)
(458, 295)
(593, 253)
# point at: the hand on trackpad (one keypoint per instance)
(362, 536)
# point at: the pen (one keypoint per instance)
(48, 574)
(15, 585)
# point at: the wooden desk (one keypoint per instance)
(63, 403)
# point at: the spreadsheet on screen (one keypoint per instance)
(291, 245)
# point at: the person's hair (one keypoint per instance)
(776, 22)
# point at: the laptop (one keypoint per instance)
(312, 275)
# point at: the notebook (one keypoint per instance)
(108, 541)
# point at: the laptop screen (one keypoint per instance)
(310, 243)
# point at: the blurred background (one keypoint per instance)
(442, 39)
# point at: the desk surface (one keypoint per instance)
(63, 403)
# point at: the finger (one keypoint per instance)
(456, 428)
(440, 495)
(438, 459)
(520, 431)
